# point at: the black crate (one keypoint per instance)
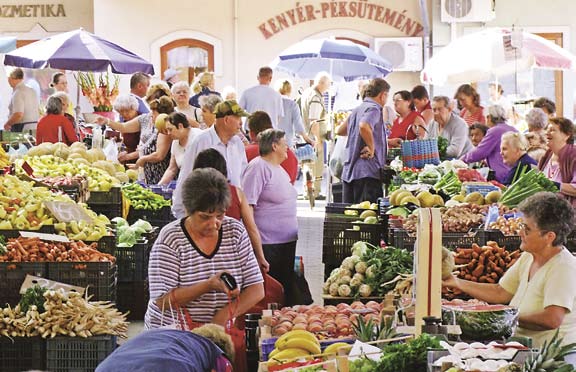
(48, 229)
(400, 238)
(114, 196)
(339, 237)
(12, 275)
(132, 261)
(22, 354)
(106, 244)
(151, 236)
(510, 242)
(76, 354)
(111, 211)
(98, 277)
(339, 208)
(159, 217)
(133, 297)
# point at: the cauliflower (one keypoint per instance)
(344, 280)
(356, 282)
(358, 276)
(333, 290)
(360, 267)
(344, 290)
(344, 272)
(365, 290)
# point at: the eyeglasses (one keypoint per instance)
(527, 230)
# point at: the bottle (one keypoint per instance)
(141, 176)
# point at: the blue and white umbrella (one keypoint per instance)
(78, 50)
(342, 59)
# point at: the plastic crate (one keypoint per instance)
(339, 237)
(267, 345)
(132, 261)
(510, 242)
(76, 354)
(339, 208)
(48, 229)
(159, 217)
(435, 354)
(99, 278)
(22, 354)
(12, 275)
(106, 244)
(400, 238)
(133, 297)
(111, 211)
(114, 196)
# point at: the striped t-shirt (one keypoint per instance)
(175, 261)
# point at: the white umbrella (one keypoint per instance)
(491, 53)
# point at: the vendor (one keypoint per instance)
(190, 254)
(489, 148)
(540, 282)
(409, 125)
(513, 147)
(559, 161)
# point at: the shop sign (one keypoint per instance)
(32, 11)
(362, 9)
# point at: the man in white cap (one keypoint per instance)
(171, 76)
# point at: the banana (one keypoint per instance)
(302, 343)
(300, 333)
(273, 353)
(333, 348)
(287, 355)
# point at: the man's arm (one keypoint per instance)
(368, 138)
(550, 318)
(15, 118)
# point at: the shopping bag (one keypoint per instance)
(419, 152)
(338, 156)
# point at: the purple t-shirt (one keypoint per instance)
(268, 189)
(489, 149)
(356, 168)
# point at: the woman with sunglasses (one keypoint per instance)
(541, 284)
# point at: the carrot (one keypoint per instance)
(478, 271)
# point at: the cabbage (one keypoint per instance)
(127, 237)
(359, 248)
(143, 225)
(119, 221)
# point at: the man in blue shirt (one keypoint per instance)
(139, 84)
(366, 146)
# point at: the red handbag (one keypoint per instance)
(273, 293)
(237, 335)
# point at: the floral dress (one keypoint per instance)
(153, 172)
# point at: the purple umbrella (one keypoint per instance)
(78, 50)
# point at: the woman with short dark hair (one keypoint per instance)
(190, 254)
(409, 124)
(179, 130)
(541, 283)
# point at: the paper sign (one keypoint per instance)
(43, 236)
(360, 348)
(31, 281)
(67, 211)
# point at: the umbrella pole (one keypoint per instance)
(329, 148)
(77, 109)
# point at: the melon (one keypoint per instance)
(482, 322)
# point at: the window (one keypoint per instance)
(189, 56)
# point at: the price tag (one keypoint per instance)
(28, 169)
(31, 281)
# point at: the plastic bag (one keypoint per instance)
(492, 216)
(111, 151)
(338, 156)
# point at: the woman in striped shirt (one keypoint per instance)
(190, 254)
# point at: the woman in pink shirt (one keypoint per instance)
(469, 99)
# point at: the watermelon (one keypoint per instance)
(482, 322)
